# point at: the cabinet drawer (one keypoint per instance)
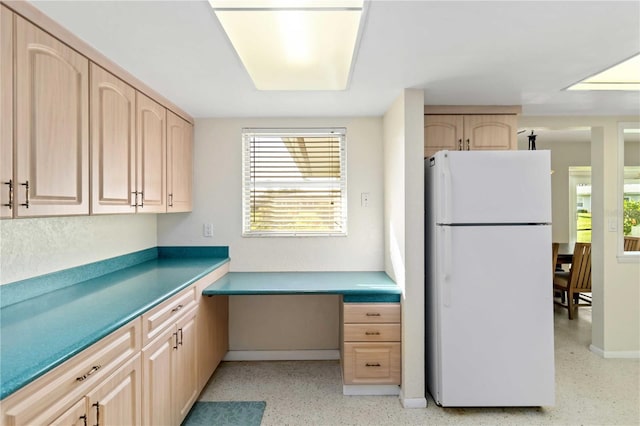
(372, 332)
(162, 316)
(372, 363)
(45, 399)
(371, 312)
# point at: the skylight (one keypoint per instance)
(293, 44)
(623, 76)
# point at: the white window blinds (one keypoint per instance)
(294, 182)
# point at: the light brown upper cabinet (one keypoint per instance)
(179, 163)
(6, 113)
(113, 144)
(469, 132)
(77, 134)
(151, 119)
(51, 125)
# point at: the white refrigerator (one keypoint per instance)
(488, 277)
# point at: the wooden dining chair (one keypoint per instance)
(576, 281)
(554, 256)
(631, 243)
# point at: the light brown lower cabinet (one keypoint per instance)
(170, 373)
(116, 401)
(371, 344)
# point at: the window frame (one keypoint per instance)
(247, 181)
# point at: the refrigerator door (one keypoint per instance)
(492, 186)
(494, 316)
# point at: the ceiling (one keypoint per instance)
(460, 53)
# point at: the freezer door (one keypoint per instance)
(495, 316)
(492, 186)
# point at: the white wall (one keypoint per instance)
(403, 126)
(218, 200)
(616, 293)
(32, 247)
(564, 154)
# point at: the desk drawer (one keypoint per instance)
(372, 332)
(165, 314)
(371, 312)
(372, 363)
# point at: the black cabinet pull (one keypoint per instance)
(97, 405)
(26, 191)
(10, 203)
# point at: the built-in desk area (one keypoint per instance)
(370, 319)
(355, 287)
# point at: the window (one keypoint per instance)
(294, 182)
(629, 191)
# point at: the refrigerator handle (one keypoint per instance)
(446, 267)
(445, 199)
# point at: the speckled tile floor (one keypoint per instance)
(589, 391)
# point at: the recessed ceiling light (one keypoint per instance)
(293, 44)
(623, 76)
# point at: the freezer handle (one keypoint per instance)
(446, 265)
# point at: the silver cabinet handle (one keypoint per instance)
(141, 199)
(90, 372)
(135, 199)
(181, 337)
(459, 144)
(373, 314)
(170, 200)
(177, 308)
(372, 333)
(468, 148)
(176, 336)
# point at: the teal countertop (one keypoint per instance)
(42, 331)
(354, 286)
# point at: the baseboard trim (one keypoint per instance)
(301, 355)
(614, 354)
(412, 402)
(370, 390)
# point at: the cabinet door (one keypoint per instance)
(151, 155)
(116, 401)
(113, 143)
(442, 132)
(6, 112)
(52, 125)
(186, 375)
(158, 389)
(74, 416)
(179, 163)
(490, 132)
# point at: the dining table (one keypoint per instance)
(565, 255)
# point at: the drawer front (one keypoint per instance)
(371, 312)
(164, 315)
(372, 363)
(45, 399)
(372, 332)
